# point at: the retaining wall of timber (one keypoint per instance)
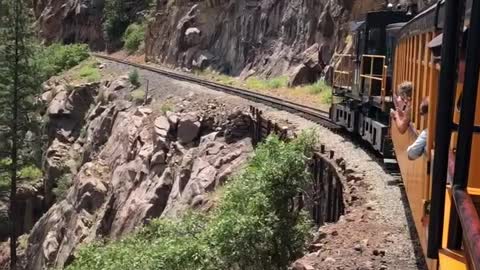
(324, 199)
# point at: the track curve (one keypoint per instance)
(313, 114)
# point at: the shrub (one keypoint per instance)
(253, 227)
(56, 58)
(134, 78)
(133, 37)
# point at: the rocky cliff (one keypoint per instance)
(128, 164)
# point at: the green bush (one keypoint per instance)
(30, 173)
(253, 227)
(62, 185)
(56, 58)
(137, 96)
(133, 37)
(134, 78)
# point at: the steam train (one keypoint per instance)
(438, 51)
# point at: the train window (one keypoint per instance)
(374, 136)
(349, 120)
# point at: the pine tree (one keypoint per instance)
(18, 88)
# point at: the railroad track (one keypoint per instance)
(313, 114)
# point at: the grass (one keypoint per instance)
(91, 74)
(87, 71)
(317, 95)
(255, 83)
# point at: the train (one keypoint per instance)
(437, 52)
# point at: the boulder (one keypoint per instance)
(299, 265)
(119, 84)
(193, 36)
(302, 75)
(161, 126)
(58, 104)
(188, 128)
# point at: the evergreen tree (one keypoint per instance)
(18, 89)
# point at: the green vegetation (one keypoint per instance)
(262, 84)
(56, 58)
(91, 73)
(254, 225)
(63, 183)
(26, 174)
(316, 94)
(320, 88)
(118, 17)
(134, 78)
(134, 37)
(30, 173)
(164, 107)
(137, 96)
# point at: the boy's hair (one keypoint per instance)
(405, 89)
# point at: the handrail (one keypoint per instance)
(374, 56)
(343, 71)
(368, 74)
(470, 221)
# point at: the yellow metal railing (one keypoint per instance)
(369, 76)
(343, 71)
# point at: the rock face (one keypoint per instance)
(270, 37)
(135, 165)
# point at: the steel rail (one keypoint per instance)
(316, 115)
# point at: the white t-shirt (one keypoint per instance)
(417, 149)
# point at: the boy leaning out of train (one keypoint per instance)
(402, 100)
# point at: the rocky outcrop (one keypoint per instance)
(69, 21)
(135, 165)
